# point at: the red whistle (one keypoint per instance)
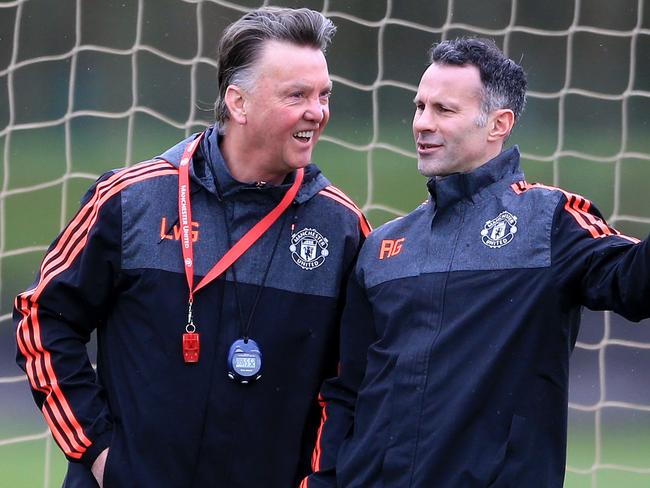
(191, 347)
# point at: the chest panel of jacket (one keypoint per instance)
(511, 232)
(308, 258)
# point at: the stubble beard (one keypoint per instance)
(429, 168)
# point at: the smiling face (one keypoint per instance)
(447, 109)
(285, 111)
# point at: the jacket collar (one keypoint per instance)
(209, 170)
(452, 189)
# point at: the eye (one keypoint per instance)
(419, 106)
(326, 95)
(297, 94)
(443, 109)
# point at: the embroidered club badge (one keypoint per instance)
(308, 248)
(499, 231)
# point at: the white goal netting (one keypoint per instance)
(87, 86)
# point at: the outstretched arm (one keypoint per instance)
(605, 269)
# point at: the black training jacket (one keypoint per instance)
(117, 268)
(456, 337)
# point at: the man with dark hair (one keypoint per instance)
(461, 316)
(212, 275)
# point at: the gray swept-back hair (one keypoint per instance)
(242, 42)
(504, 81)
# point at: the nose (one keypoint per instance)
(316, 110)
(424, 121)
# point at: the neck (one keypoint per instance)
(244, 166)
(489, 155)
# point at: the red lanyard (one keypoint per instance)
(240, 247)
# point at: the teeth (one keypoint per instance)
(307, 134)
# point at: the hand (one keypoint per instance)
(98, 467)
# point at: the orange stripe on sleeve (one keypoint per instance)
(572, 206)
(62, 441)
(340, 193)
(21, 340)
(104, 190)
(315, 459)
(595, 221)
(74, 431)
(340, 197)
(578, 207)
(64, 425)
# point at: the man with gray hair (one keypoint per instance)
(461, 316)
(212, 275)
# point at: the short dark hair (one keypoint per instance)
(244, 39)
(504, 81)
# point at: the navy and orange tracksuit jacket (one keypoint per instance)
(456, 337)
(117, 268)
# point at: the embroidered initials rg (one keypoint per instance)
(390, 247)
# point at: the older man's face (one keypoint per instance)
(288, 107)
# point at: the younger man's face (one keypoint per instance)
(447, 109)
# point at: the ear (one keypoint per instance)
(236, 101)
(500, 124)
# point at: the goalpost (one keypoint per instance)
(88, 86)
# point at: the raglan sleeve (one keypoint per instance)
(55, 317)
(604, 269)
(338, 395)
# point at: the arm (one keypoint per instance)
(55, 317)
(605, 269)
(338, 395)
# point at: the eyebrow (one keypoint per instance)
(305, 86)
(417, 99)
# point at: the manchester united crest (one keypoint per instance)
(499, 231)
(308, 248)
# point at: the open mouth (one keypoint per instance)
(304, 135)
(427, 147)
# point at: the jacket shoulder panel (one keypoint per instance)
(149, 211)
(501, 230)
(396, 249)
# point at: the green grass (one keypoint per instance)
(22, 465)
(624, 446)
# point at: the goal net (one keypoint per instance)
(88, 86)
